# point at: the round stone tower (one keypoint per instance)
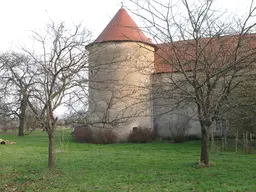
(121, 61)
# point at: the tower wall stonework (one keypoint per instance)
(120, 84)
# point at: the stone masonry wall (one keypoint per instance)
(120, 84)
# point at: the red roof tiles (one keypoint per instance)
(122, 28)
(217, 51)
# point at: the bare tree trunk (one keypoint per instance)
(22, 117)
(204, 147)
(51, 161)
(21, 126)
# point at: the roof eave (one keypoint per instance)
(122, 41)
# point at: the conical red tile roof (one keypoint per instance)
(122, 28)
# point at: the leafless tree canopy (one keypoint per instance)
(17, 79)
(39, 81)
(204, 53)
(60, 62)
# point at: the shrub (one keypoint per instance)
(105, 136)
(85, 134)
(82, 134)
(179, 139)
(184, 138)
(141, 135)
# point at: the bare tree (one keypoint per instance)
(17, 78)
(202, 56)
(61, 59)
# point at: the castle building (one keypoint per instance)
(128, 84)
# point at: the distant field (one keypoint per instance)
(158, 166)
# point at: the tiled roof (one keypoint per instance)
(122, 28)
(216, 51)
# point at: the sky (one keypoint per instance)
(19, 17)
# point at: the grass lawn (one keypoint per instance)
(158, 166)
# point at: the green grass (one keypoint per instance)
(158, 166)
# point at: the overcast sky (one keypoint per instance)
(19, 17)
